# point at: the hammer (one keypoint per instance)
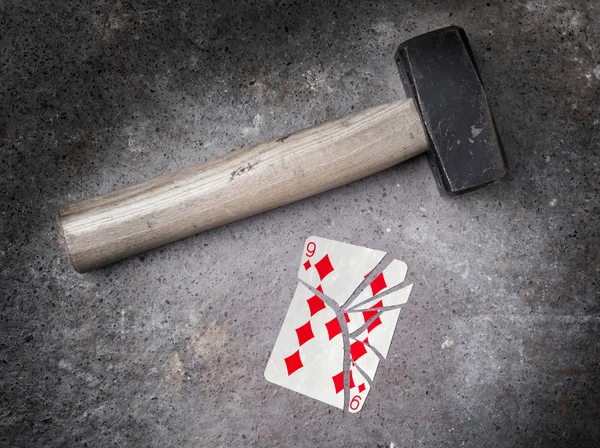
(447, 115)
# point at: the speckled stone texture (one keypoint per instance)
(499, 345)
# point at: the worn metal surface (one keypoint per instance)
(500, 343)
(438, 70)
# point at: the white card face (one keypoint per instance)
(304, 358)
(308, 356)
(337, 267)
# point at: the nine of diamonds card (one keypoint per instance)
(329, 346)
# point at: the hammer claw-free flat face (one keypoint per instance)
(438, 70)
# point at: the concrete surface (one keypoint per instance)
(499, 345)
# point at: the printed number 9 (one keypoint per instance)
(310, 249)
(355, 403)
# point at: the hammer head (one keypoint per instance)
(438, 70)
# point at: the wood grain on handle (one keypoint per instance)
(105, 229)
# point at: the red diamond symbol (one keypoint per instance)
(333, 328)
(304, 333)
(293, 362)
(374, 325)
(307, 265)
(338, 381)
(369, 314)
(361, 388)
(324, 267)
(315, 305)
(357, 349)
(378, 284)
(378, 304)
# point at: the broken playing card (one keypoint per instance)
(329, 346)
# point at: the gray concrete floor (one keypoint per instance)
(499, 345)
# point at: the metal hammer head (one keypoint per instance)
(438, 70)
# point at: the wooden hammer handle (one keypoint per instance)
(105, 229)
